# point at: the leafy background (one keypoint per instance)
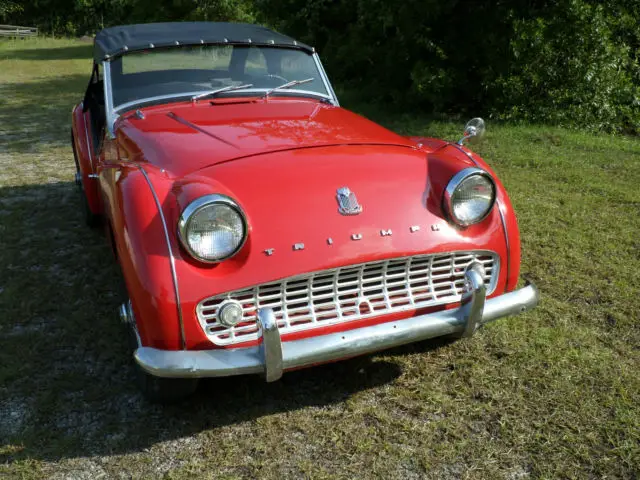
(570, 62)
(552, 393)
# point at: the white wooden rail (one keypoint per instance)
(17, 31)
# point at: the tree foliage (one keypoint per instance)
(80, 17)
(570, 62)
(8, 7)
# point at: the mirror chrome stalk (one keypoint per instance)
(474, 128)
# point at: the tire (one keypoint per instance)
(165, 390)
(159, 389)
(90, 219)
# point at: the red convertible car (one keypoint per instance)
(260, 227)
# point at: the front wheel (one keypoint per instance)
(165, 390)
(155, 389)
(90, 219)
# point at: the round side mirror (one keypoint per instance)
(474, 129)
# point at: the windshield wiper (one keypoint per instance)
(230, 88)
(293, 83)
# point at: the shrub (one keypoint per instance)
(573, 62)
(568, 62)
(583, 75)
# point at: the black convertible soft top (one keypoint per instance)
(115, 41)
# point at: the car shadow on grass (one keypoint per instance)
(67, 381)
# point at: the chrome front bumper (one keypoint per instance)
(272, 356)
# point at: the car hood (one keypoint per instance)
(290, 202)
(186, 137)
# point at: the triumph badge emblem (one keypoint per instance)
(347, 202)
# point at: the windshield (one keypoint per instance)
(189, 71)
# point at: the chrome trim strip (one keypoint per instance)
(459, 147)
(325, 79)
(111, 116)
(172, 260)
(128, 105)
(506, 237)
(86, 134)
(125, 312)
(326, 348)
(187, 123)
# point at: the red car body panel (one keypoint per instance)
(186, 137)
(83, 148)
(282, 160)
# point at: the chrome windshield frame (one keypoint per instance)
(111, 115)
(188, 95)
(113, 112)
(325, 80)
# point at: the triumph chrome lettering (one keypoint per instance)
(385, 232)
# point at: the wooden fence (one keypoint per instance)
(16, 31)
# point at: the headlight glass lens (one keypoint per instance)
(213, 232)
(472, 199)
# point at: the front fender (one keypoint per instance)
(507, 216)
(446, 159)
(145, 257)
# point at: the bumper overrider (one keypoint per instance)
(272, 357)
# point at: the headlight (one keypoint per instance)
(469, 196)
(212, 228)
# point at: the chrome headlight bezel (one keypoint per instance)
(194, 207)
(455, 183)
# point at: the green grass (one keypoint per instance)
(554, 393)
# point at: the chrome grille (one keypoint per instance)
(348, 293)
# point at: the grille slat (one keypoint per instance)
(348, 293)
